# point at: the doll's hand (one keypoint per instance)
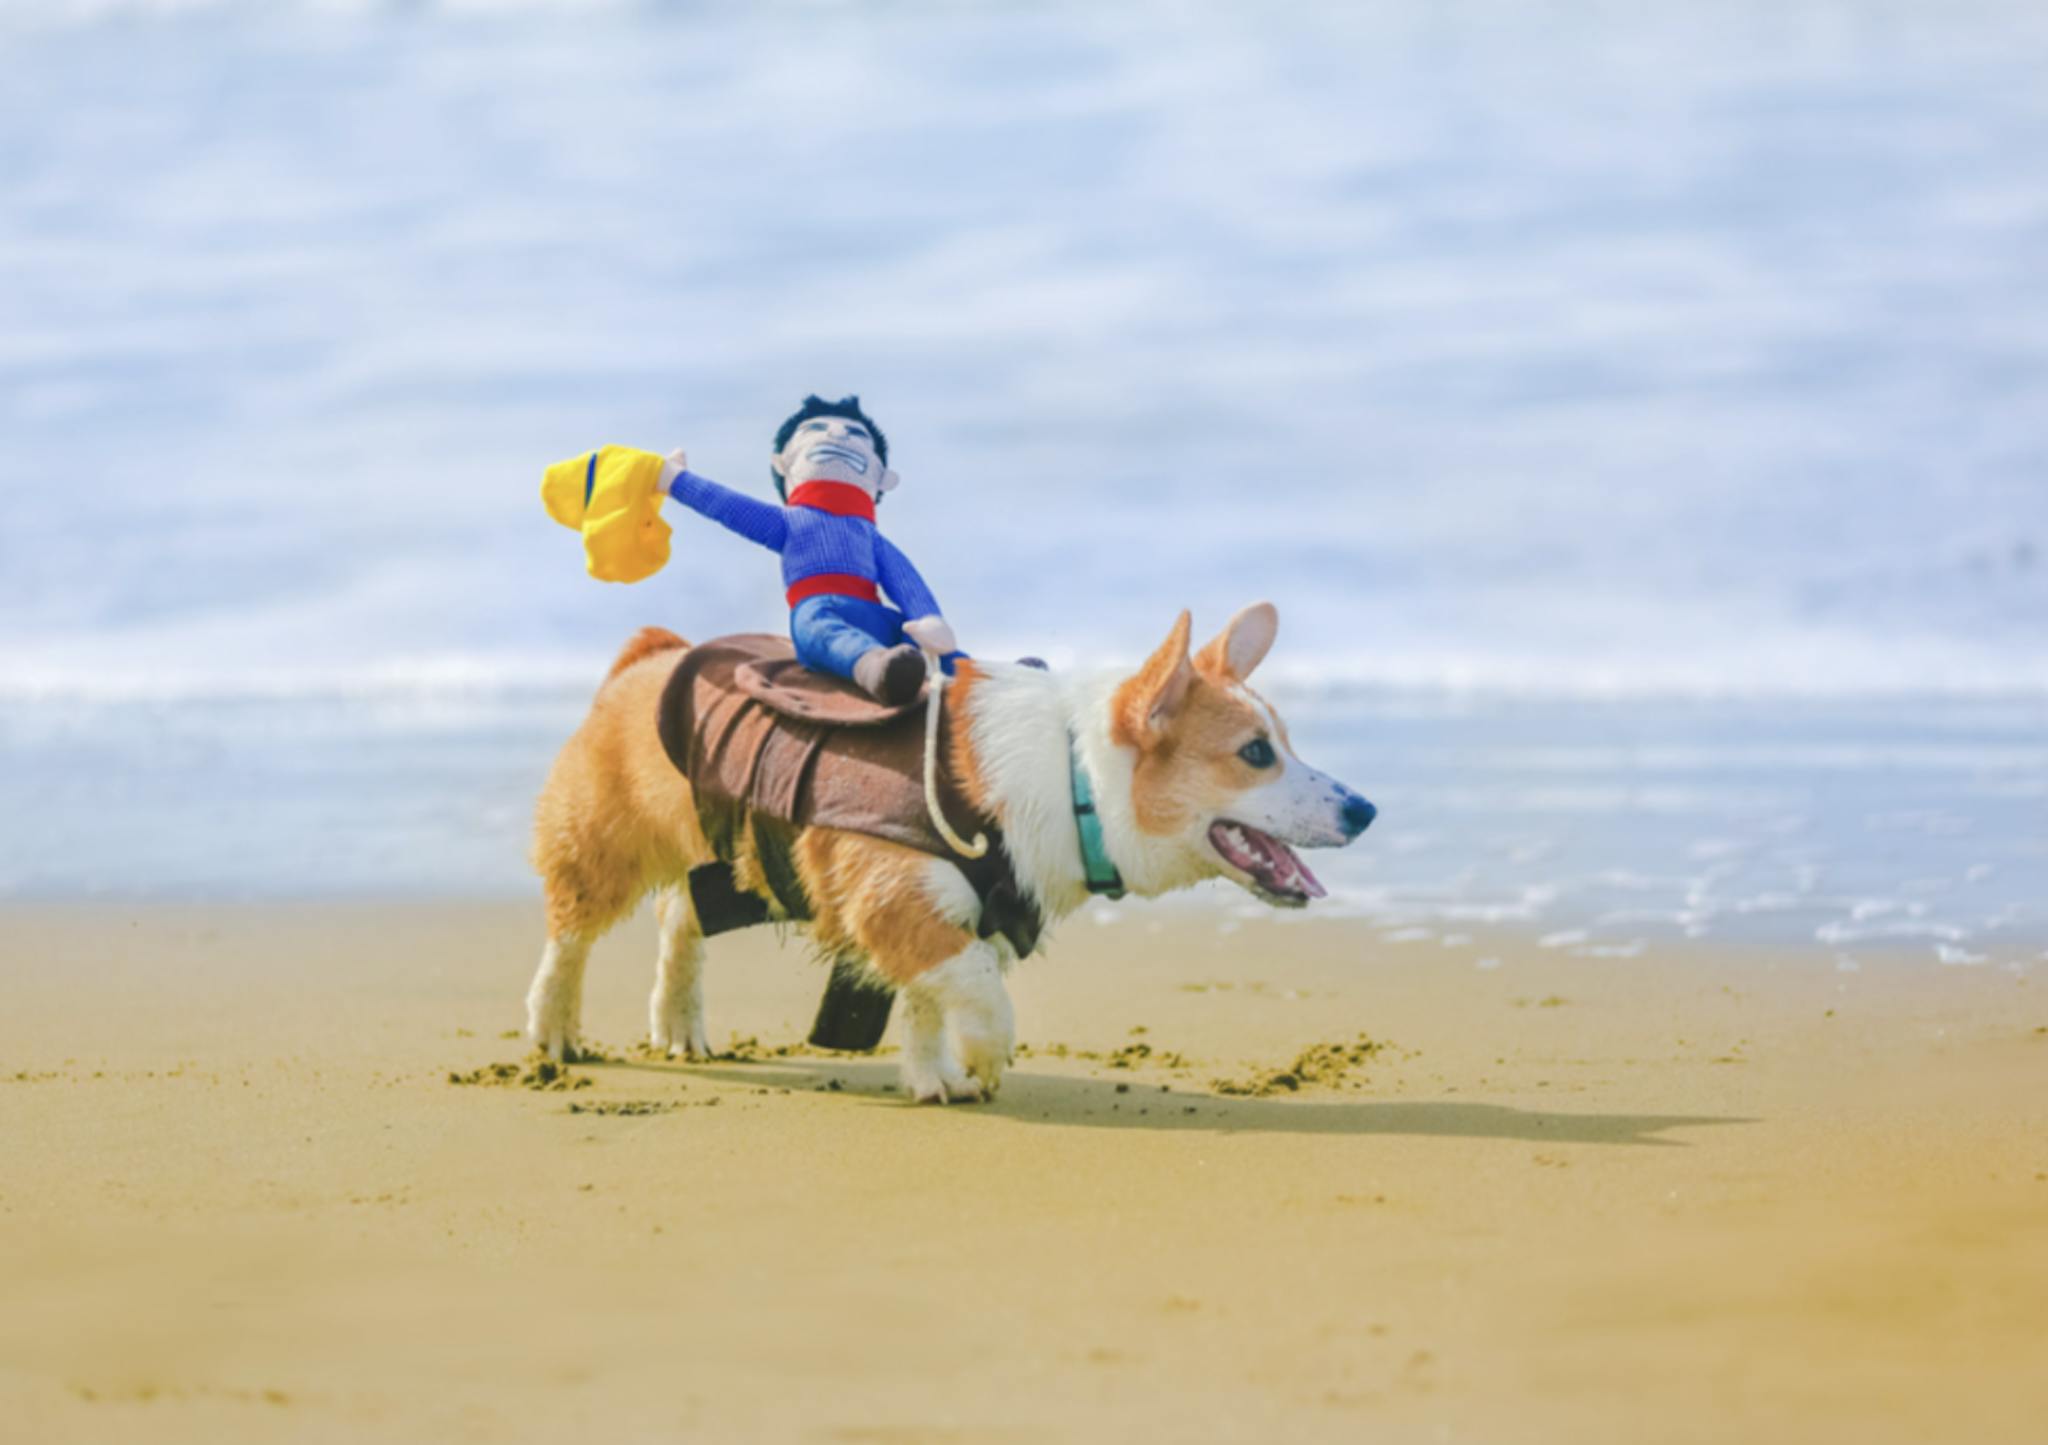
(932, 634)
(674, 466)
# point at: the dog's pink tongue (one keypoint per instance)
(1295, 873)
(1290, 874)
(1275, 865)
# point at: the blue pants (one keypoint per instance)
(832, 633)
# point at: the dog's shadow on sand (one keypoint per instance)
(1134, 1103)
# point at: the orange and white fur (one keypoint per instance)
(1184, 790)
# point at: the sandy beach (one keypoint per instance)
(1700, 1195)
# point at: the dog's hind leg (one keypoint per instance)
(578, 914)
(675, 1014)
(554, 1005)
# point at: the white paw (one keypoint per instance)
(551, 1040)
(682, 1039)
(963, 1084)
(930, 1085)
(983, 1073)
(547, 1028)
(983, 1057)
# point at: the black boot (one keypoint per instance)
(891, 675)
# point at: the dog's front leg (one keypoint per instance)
(929, 1076)
(961, 1029)
(913, 919)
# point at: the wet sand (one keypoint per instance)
(1697, 1195)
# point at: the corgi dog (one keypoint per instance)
(1188, 772)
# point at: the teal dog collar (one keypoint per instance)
(1095, 862)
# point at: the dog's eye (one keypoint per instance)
(1259, 753)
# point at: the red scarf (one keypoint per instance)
(841, 499)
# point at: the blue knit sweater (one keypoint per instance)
(812, 541)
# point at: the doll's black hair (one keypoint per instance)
(814, 405)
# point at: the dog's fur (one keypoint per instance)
(1161, 746)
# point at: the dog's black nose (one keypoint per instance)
(1358, 814)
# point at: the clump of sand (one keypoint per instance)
(750, 1050)
(1130, 1056)
(1136, 1055)
(537, 1072)
(628, 1108)
(1319, 1065)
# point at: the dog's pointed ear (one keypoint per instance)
(1238, 648)
(1151, 696)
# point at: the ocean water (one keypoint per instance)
(1604, 826)
(1638, 414)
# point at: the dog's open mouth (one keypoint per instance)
(1272, 868)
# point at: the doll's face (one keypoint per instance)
(833, 449)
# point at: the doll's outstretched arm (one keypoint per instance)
(752, 518)
(900, 580)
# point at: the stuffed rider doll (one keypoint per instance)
(831, 466)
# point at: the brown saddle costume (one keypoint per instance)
(771, 747)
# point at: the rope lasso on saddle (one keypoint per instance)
(935, 674)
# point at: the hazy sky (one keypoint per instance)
(1705, 347)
